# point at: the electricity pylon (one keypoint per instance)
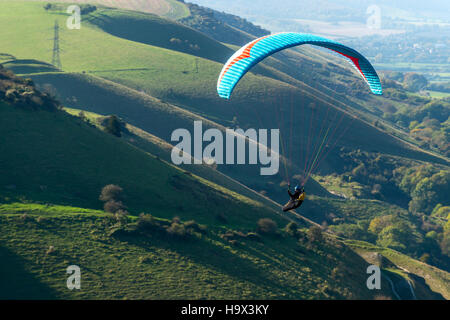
(56, 60)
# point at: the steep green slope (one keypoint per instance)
(162, 149)
(152, 115)
(188, 82)
(185, 80)
(89, 93)
(53, 157)
(156, 31)
(272, 97)
(349, 219)
(38, 243)
(428, 282)
(184, 87)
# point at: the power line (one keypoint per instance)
(56, 59)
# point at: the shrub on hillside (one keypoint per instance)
(396, 237)
(267, 226)
(113, 206)
(111, 192)
(113, 126)
(315, 234)
(180, 230)
(177, 230)
(121, 216)
(232, 235)
(146, 222)
(112, 195)
(23, 93)
(175, 41)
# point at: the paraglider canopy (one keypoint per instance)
(257, 50)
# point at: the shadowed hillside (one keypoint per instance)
(50, 158)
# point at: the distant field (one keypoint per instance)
(342, 28)
(78, 52)
(438, 94)
(434, 72)
(171, 9)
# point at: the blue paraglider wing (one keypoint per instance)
(257, 50)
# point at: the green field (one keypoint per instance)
(435, 72)
(438, 94)
(171, 9)
(151, 266)
(50, 172)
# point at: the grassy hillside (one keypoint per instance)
(53, 157)
(160, 118)
(152, 115)
(425, 279)
(183, 79)
(171, 9)
(37, 243)
(350, 219)
(188, 82)
(157, 84)
(155, 31)
(162, 149)
(184, 87)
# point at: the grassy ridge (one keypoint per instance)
(427, 280)
(162, 149)
(152, 115)
(171, 9)
(80, 48)
(155, 267)
(63, 160)
(160, 119)
(156, 31)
